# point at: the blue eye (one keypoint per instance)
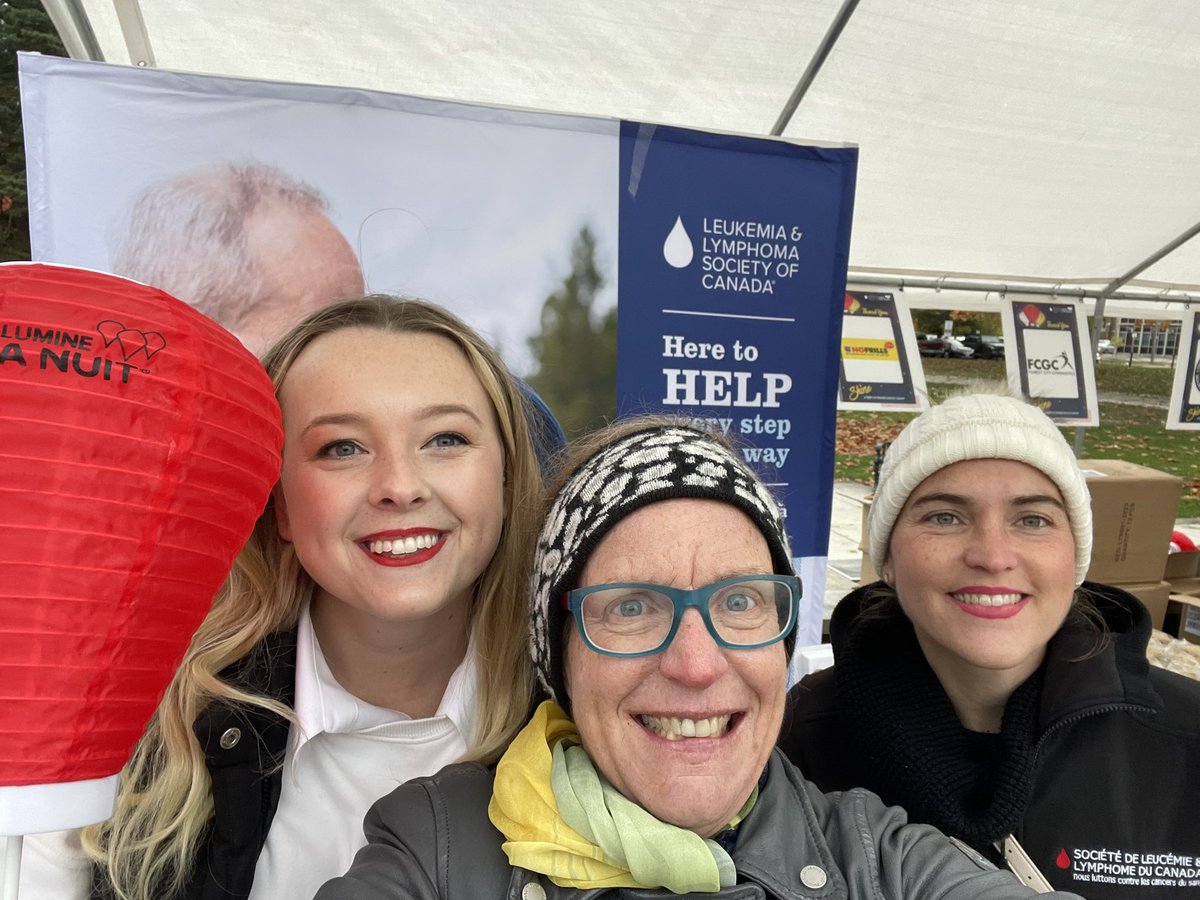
(339, 449)
(447, 440)
(739, 602)
(631, 606)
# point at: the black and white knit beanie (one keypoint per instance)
(661, 462)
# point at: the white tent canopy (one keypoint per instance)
(1005, 146)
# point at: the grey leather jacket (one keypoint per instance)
(430, 839)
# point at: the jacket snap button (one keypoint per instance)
(533, 891)
(230, 738)
(813, 877)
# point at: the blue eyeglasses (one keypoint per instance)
(632, 619)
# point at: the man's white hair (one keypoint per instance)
(187, 235)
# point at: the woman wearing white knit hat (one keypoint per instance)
(990, 690)
(661, 606)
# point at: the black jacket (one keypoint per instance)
(430, 839)
(1096, 771)
(245, 750)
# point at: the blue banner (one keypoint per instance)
(732, 262)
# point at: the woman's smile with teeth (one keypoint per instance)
(674, 729)
(988, 599)
(402, 546)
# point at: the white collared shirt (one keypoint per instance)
(353, 753)
(343, 755)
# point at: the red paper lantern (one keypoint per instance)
(139, 442)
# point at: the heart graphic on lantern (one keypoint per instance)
(130, 340)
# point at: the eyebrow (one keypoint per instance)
(739, 572)
(1031, 499)
(429, 412)
(332, 419)
(961, 500)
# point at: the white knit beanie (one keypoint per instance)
(978, 426)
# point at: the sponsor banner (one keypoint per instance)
(1052, 362)
(878, 353)
(1183, 413)
(733, 255)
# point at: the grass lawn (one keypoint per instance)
(1130, 431)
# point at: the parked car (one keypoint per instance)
(986, 346)
(933, 345)
(1105, 347)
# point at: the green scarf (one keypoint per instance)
(563, 819)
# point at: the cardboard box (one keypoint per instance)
(1154, 596)
(1183, 618)
(1182, 565)
(1187, 586)
(1190, 630)
(1133, 514)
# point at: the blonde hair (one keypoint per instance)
(164, 804)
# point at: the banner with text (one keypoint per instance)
(258, 201)
(879, 355)
(733, 256)
(1183, 413)
(1052, 365)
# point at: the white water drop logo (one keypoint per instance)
(677, 248)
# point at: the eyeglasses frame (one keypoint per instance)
(682, 600)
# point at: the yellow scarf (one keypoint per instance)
(563, 819)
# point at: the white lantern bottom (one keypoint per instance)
(34, 808)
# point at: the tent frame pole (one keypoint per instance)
(1115, 284)
(984, 286)
(133, 27)
(814, 66)
(74, 28)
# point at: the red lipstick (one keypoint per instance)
(395, 536)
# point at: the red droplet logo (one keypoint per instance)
(1063, 861)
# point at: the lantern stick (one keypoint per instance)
(12, 866)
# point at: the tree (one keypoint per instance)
(24, 25)
(975, 322)
(576, 351)
(930, 321)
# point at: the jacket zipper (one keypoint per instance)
(1078, 717)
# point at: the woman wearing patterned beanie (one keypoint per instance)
(663, 601)
(985, 687)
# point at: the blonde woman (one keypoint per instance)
(372, 629)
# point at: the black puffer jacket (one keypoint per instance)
(1096, 771)
(244, 749)
(430, 839)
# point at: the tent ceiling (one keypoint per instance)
(1051, 141)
